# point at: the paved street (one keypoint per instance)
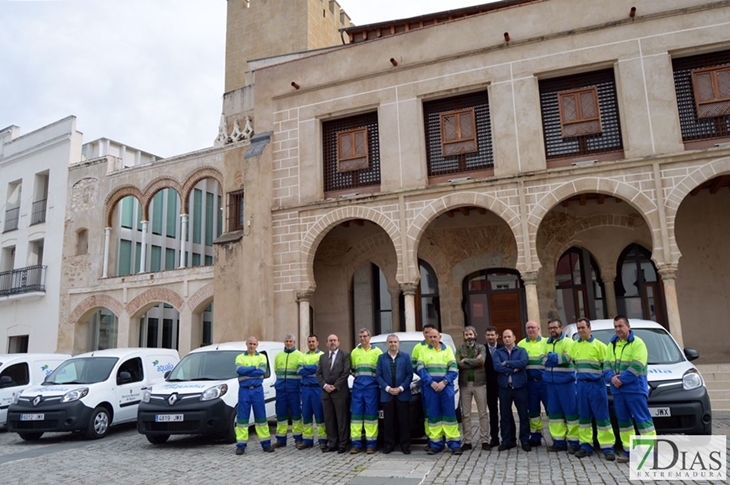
(125, 456)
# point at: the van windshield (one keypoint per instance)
(202, 366)
(660, 346)
(86, 370)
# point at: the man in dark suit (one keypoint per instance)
(510, 363)
(394, 373)
(492, 336)
(332, 374)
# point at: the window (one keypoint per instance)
(169, 258)
(638, 286)
(156, 258)
(18, 374)
(128, 212)
(351, 149)
(134, 368)
(235, 210)
(458, 134)
(18, 344)
(494, 297)
(172, 214)
(577, 295)
(103, 329)
(197, 214)
(40, 198)
(579, 114)
(12, 206)
(157, 212)
(702, 84)
(712, 91)
(429, 303)
(125, 258)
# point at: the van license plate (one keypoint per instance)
(660, 412)
(32, 417)
(166, 418)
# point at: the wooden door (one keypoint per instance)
(504, 307)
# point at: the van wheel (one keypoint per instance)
(30, 436)
(98, 424)
(230, 434)
(158, 439)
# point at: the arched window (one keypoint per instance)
(494, 297)
(427, 300)
(579, 294)
(639, 292)
(103, 328)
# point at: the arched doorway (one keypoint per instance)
(160, 327)
(578, 286)
(494, 297)
(428, 307)
(639, 291)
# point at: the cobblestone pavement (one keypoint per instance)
(125, 457)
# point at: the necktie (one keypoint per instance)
(332, 359)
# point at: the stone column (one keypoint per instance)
(126, 336)
(409, 296)
(143, 252)
(105, 267)
(609, 294)
(183, 238)
(303, 299)
(186, 341)
(395, 308)
(668, 272)
(533, 303)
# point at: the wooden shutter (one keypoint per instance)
(352, 150)
(712, 91)
(579, 112)
(458, 132)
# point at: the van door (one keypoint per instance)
(268, 385)
(129, 383)
(16, 378)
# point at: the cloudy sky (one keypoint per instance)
(147, 73)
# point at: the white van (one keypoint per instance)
(90, 392)
(20, 371)
(201, 394)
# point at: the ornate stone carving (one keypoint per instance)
(236, 135)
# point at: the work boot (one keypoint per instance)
(622, 459)
(269, 449)
(610, 455)
(370, 450)
(354, 450)
(240, 450)
(457, 451)
(581, 453)
(279, 444)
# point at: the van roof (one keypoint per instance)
(603, 324)
(263, 345)
(409, 337)
(8, 357)
(127, 351)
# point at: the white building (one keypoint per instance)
(33, 178)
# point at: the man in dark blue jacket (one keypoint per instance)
(394, 373)
(510, 363)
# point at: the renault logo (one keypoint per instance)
(172, 399)
(37, 400)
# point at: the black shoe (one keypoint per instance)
(240, 451)
(526, 447)
(556, 449)
(269, 449)
(327, 449)
(303, 446)
(341, 450)
(572, 449)
(466, 446)
(457, 451)
(581, 453)
(610, 456)
(535, 443)
(279, 444)
(406, 451)
(486, 446)
(494, 443)
(431, 451)
(504, 447)
(387, 450)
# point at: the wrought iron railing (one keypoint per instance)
(23, 280)
(11, 219)
(39, 212)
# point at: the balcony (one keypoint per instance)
(39, 212)
(11, 219)
(31, 279)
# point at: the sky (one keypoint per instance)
(146, 73)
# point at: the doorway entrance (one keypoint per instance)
(495, 297)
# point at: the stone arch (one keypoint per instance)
(682, 188)
(626, 192)
(118, 194)
(155, 186)
(201, 297)
(443, 204)
(155, 295)
(319, 230)
(195, 177)
(95, 301)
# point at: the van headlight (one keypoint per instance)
(75, 395)
(214, 392)
(16, 397)
(691, 380)
(146, 396)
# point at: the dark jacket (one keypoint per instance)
(518, 360)
(337, 376)
(403, 375)
(474, 363)
(489, 364)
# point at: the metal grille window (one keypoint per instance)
(702, 84)
(458, 134)
(356, 139)
(39, 212)
(594, 128)
(11, 219)
(235, 210)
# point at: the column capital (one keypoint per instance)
(409, 288)
(529, 277)
(183, 216)
(304, 295)
(668, 271)
(608, 276)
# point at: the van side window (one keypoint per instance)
(18, 373)
(134, 367)
(268, 365)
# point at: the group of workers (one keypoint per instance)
(567, 377)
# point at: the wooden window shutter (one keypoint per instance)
(458, 133)
(712, 91)
(352, 150)
(579, 112)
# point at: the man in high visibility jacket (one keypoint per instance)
(626, 360)
(365, 394)
(589, 355)
(438, 370)
(288, 393)
(251, 369)
(559, 377)
(311, 396)
(535, 345)
(415, 355)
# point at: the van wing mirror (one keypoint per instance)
(691, 354)
(6, 381)
(167, 373)
(124, 377)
